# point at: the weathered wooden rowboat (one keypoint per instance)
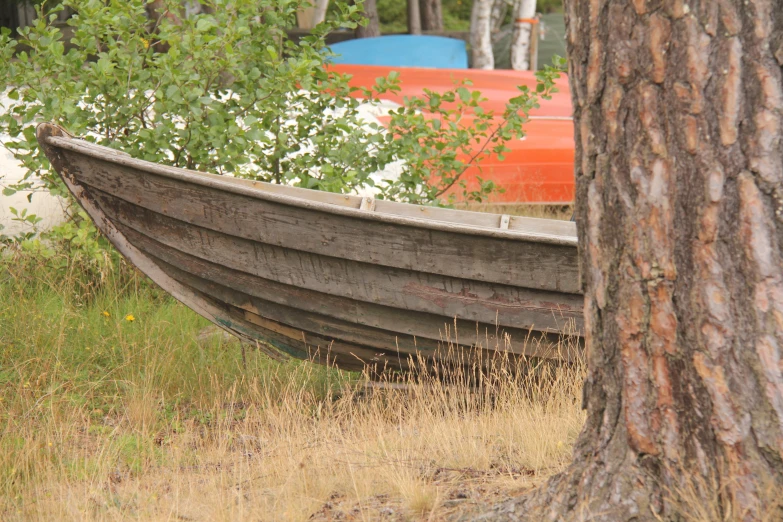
(339, 279)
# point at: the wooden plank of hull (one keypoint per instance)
(316, 348)
(309, 346)
(480, 336)
(467, 222)
(482, 219)
(416, 324)
(300, 345)
(496, 260)
(394, 288)
(303, 320)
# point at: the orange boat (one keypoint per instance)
(539, 167)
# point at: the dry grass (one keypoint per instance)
(699, 499)
(104, 418)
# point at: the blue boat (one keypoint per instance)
(403, 50)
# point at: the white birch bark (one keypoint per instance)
(520, 39)
(320, 11)
(309, 17)
(480, 35)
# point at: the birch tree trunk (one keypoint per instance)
(373, 27)
(321, 7)
(309, 17)
(431, 15)
(520, 38)
(480, 37)
(678, 111)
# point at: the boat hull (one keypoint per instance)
(340, 280)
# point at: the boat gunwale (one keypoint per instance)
(220, 183)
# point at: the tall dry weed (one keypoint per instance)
(105, 418)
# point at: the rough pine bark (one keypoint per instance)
(678, 107)
(480, 37)
(520, 39)
(431, 15)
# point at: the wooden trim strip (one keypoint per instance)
(368, 204)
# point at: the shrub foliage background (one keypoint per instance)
(225, 90)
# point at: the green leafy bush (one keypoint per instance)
(230, 93)
(225, 90)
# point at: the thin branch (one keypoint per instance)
(471, 160)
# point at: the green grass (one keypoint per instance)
(125, 349)
(100, 348)
(113, 405)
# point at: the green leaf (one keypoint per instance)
(204, 24)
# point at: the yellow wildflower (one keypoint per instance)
(146, 43)
(130, 318)
(105, 313)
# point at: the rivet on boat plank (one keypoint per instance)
(367, 204)
(505, 219)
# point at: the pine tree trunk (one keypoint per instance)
(480, 37)
(373, 27)
(520, 39)
(431, 15)
(679, 162)
(414, 17)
